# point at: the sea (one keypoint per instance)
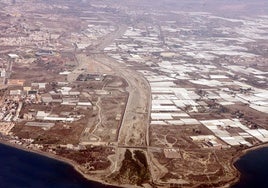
(254, 169)
(22, 169)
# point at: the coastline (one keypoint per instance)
(238, 156)
(91, 178)
(58, 158)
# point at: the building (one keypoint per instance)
(46, 98)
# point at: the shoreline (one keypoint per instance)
(241, 154)
(75, 166)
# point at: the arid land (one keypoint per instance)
(138, 94)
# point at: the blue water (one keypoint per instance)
(254, 169)
(21, 169)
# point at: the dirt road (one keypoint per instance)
(134, 127)
(135, 124)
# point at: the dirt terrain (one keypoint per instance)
(135, 121)
(81, 81)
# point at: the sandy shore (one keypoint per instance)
(91, 178)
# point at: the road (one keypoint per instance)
(135, 123)
(134, 130)
(134, 127)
